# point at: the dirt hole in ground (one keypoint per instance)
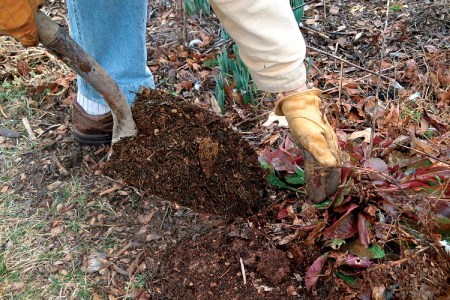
(187, 154)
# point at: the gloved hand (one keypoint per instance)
(17, 20)
(310, 128)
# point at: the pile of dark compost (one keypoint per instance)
(187, 154)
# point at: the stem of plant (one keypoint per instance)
(375, 112)
(340, 85)
(185, 33)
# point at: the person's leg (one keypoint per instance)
(269, 40)
(113, 32)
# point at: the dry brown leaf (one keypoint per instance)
(184, 85)
(282, 122)
(272, 139)
(334, 10)
(232, 94)
(444, 99)
(205, 39)
(55, 231)
(423, 146)
(145, 219)
(23, 68)
(207, 151)
(95, 296)
(215, 105)
(361, 134)
(441, 127)
(430, 48)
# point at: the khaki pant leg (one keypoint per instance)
(269, 41)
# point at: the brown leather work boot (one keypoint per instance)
(89, 129)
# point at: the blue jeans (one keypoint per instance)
(113, 32)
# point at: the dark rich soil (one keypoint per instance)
(189, 155)
(209, 266)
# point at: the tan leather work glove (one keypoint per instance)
(319, 143)
(17, 20)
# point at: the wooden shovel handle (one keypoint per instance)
(57, 42)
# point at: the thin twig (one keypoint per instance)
(185, 32)
(314, 31)
(27, 126)
(389, 178)
(333, 89)
(348, 62)
(375, 112)
(164, 218)
(300, 6)
(340, 85)
(251, 119)
(219, 45)
(424, 153)
(3, 113)
(341, 33)
(244, 276)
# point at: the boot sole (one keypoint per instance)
(92, 140)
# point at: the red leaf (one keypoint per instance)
(363, 230)
(312, 275)
(288, 144)
(343, 228)
(355, 261)
(282, 214)
(346, 173)
(344, 205)
(442, 207)
(282, 160)
(296, 153)
(376, 164)
(438, 169)
(430, 173)
(414, 184)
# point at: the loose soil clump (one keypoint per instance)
(189, 155)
